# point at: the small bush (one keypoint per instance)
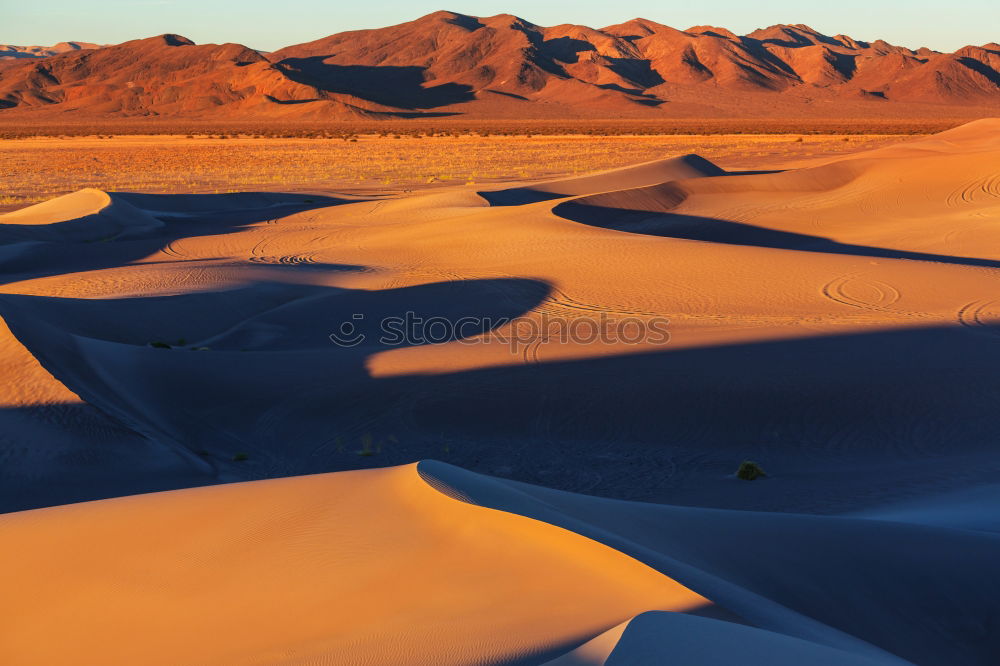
(366, 445)
(749, 470)
(160, 345)
(240, 457)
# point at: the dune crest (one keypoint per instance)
(659, 638)
(362, 567)
(760, 584)
(86, 215)
(384, 559)
(640, 175)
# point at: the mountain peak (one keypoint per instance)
(454, 18)
(507, 20)
(711, 31)
(792, 35)
(175, 40)
(639, 27)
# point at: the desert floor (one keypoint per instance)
(37, 168)
(407, 415)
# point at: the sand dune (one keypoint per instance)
(433, 564)
(640, 175)
(787, 586)
(368, 567)
(663, 638)
(915, 220)
(86, 215)
(836, 322)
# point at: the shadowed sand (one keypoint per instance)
(361, 567)
(429, 563)
(838, 323)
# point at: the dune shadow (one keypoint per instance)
(63, 453)
(255, 370)
(838, 382)
(758, 172)
(29, 251)
(271, 382)
(236, 201)
(518, 196)
(144, 363)
(651, 174)
(714, 230)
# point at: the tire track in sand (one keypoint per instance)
(857, 291)
(982, 316)
(258, 256)
(170, 249)
(986, 187)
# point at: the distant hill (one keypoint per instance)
(505, 67)
(12, 51)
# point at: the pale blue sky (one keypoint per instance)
(271, 24)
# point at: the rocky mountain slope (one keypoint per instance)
(504, 66)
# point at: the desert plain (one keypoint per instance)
(46, 162)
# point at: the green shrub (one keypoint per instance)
(366, 445)
(749, 470)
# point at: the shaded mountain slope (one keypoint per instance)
(504, 66)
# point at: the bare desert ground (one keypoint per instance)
(370, 411)
(37, 168)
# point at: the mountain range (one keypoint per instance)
(449, 64)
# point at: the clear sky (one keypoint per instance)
(271, 24)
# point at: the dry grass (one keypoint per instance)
(27, 126)
(36, 169)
